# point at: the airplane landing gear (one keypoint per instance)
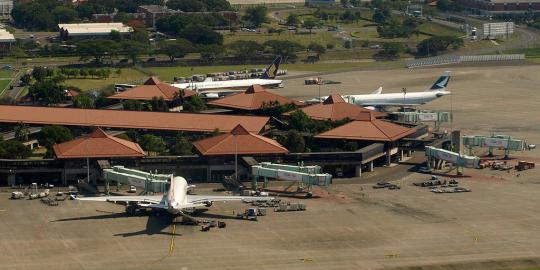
(131, 209)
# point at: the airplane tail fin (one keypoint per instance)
(272, 70)
(441, 82)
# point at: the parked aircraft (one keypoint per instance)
(176, 201)
(213, 89)
(406, 98)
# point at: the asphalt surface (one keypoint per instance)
(347, 226)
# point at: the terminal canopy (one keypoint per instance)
(252, 99)
(238, 141)
(97, 144)
(366, 127)
(153, 87)
(335, 108)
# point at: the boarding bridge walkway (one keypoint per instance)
(149, 181)
(305, 175)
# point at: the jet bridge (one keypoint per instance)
(422, 116)
(304, 175)
(435, 155)
(496, 141)
(149, 181)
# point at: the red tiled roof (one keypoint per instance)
(98, 144)
(153, 87)
(252, 99)
(367, 128)
(335, 108)
(129, 119)
(239, 141)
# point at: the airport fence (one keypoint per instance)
(445, 60)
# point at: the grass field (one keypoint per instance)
(129, 75)
(437, 29)
(167, 73)
(6, 73)
(529, 52)
(3, 84)
(321, 37)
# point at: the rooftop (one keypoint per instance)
(153, 87)
(81, 29)
(156, 9)
(367, 128)
(335, 108)
(238, 141)
(129, 119)
(6, 36)
(98, 144)
(252, 99)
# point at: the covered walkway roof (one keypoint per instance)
(129, 119)
(238, 141)
(335, 108)
(98, 144)
(252, 99)
(153, 87)
(367, 128)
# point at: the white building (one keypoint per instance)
(5, 7)
(88, 30)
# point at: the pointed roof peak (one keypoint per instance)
(153, 80)
(365, 116)
(98, 133)
(239, 130)
(334, 99)
(254, 89)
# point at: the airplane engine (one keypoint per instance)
(208, 204)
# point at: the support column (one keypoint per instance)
(409, 153)
(388, 157)
(358, 170)
(208, 174)
(370, 166)
(11, 179)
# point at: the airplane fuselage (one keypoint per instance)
(176, 197)
(396, 99)
(230, 84)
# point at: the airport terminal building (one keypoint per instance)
(488, 7)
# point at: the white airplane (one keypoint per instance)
(206, 87)
(176, 201)
(377, 99)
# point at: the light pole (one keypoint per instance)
(404, 90)
(235, 158)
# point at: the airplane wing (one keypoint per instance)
(378, 91)
(155, 199)
(199, 199)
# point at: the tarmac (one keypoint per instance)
(349, 225)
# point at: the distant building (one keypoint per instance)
(487, 7)
(152, 13)
(92, 30)
(5, 7)
(6, 39)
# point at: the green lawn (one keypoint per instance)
(321, 37)
(529, 52)
(6, 73)
(369, 33)
(348, 54)
(322, 67)
(3, 85)
(439, 30)
(129, 75)
(167, 73)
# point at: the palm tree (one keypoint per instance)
(21, 132)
